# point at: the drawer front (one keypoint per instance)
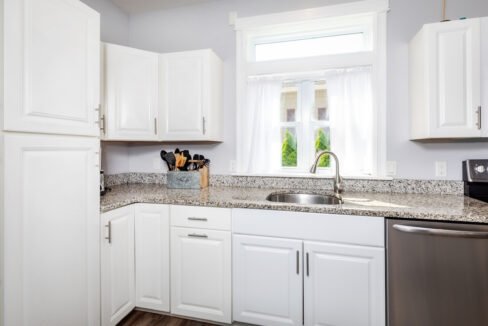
(201, 217)
(347, 229)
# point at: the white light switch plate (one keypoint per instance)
(441, 169)
(391, 168)
(232, 166)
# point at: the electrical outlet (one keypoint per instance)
(441, 169)
(232, 166)
(391, 168)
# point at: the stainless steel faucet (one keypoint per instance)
(338, 187)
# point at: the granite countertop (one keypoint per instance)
(455, 208)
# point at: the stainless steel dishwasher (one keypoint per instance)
(437, 274)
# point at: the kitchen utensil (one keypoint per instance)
(187, 156)
(171, 160)
(163, 157)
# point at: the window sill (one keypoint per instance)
(310, 176)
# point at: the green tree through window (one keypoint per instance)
(289, 150)
(322, 143)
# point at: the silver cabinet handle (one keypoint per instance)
(204, 129)
(200, 219)
(441, 232)
(155, 126)
(298, 262)
(308, 265)
(195, 235)
(102, 126)
(97, 109)
(109, 226)
(478, 113)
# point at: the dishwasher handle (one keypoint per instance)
(441, 232)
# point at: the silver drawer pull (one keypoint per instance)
(195, 235)
(109, 237)
(201, 219)
(441, 232)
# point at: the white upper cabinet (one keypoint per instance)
(50, 231)
(445, 81)
(191, 96)
(130, 94)
(152, 256)
(51, 67)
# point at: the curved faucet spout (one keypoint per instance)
(338, 187)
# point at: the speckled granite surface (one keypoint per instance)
(312, 182)
(456, 208)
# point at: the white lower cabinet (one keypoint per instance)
(268, 280)
(201, 274)
(331, 273)
(49, 231)
(117, 265)
(344, 285)
(152, 256)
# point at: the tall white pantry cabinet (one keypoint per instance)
(50, 146)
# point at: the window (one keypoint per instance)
(311, 131)
(310, 46)
(310, 81)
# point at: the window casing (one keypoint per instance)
(360, 41)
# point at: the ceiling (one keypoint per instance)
(138, 6)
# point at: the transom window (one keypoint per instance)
(310, 46)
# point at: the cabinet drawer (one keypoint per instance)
(201, 217)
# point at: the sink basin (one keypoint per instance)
(303, 198)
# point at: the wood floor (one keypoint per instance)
(142, 318)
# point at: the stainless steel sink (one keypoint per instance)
(303, 198)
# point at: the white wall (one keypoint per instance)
(114, 29)
(206, 25)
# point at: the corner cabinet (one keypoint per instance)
(152, 256)
(446, 79)
(191, 96)
(51, 73)
(130, 82)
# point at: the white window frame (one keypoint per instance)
(249, 29)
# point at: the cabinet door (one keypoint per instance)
(201, 274)
(118, 280)
(344, 285)
(152, 256)
(52, 67)
(51, 226)
(454, 64)
(484, 76)
(130, 93)
(268, 280)
(183, 95)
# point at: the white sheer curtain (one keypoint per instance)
(258, 135)
(352, 119)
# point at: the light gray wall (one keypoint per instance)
(114, 29)
(206, 26)
(114, 21)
